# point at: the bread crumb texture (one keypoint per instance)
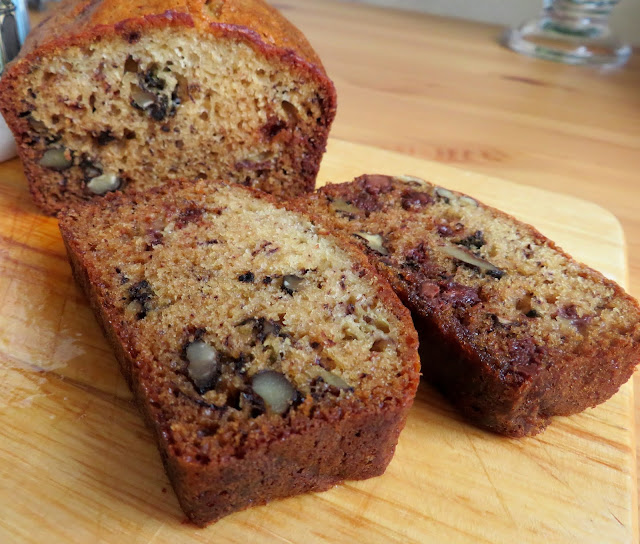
(137, 109)
(500, 274)
(240, 315)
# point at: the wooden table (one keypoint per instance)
(445, 90)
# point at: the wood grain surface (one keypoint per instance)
(77, 464)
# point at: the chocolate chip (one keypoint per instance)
(142, 293)
(495, 273)
(150, 96)
(570, 312)
(155, 238)
(415, 200)
(158, 110)
(104, 137)
(367, 202)
(273, 127)
(524, 356)
(253, 403)
(444, 230)
(190, 214)
(459, 295)
(376, 184)
(247, 277)
(151, 81)
(474, 240)
(420, 258)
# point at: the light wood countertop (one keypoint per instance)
(445, 90)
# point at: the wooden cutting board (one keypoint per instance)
(78, 465)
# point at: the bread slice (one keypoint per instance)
(267, 356)
(512, 329)
(115, 94)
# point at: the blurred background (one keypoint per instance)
(625, 19)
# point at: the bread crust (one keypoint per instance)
(76, 22)
(299, 453)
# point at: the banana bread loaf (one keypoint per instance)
(268, 357)
(115, 94)
(515, 330)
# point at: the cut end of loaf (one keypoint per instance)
(133, 110)
(246, 329)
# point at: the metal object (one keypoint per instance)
(14, 26)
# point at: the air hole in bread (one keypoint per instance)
(380, 345)
(131, 65)
(290, 110)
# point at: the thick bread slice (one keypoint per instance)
(512, 329)
(267, 356)
(110, 94)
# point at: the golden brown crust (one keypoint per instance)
(81, 21)
(311, 449)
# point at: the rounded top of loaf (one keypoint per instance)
(78, 21)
